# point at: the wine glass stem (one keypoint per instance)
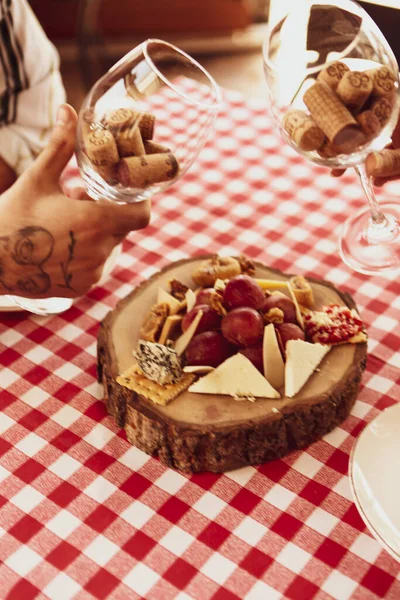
(377, 216)
(380, 228)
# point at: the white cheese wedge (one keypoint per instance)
(184, 340)
(169, 326)
(274, 367)
(198, 369)
(164, 298)
(299, 316)
(219, 285)
(190, 299)
(302, 358)
(236, 376)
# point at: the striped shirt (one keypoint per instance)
(31, 89)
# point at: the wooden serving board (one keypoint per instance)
(199, 432)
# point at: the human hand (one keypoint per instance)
(52, 245)
(373, 168)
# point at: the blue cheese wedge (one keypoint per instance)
(236, 377)
(158, 363)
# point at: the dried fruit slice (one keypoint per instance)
(333, 324)
(302, 290)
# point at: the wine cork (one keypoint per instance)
(384, 164)
(129, 142)
(328, 112)
(154, 148)
(382, 109)
(142, 171)
(87, 121)
(332, 74)
(383, 80)
(122, 118)
(369, 123)
(101, 149)
(354, 89)
(328, 150)
(303, 130)
(130, 87)
(146, 124)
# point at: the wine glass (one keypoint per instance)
(140, 128)
(144, 122)
(333, 88)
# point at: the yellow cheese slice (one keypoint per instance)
(183, 341)
(271, 284)
(190, 299)
(274, 367)
(302, 358)
(299, 316)
(164, 298)
(236, 376)
(168, 328)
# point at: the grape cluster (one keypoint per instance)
(241, 328)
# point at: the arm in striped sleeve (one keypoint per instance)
(30, 84)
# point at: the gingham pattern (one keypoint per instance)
(86, 515)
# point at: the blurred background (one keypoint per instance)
(226, 36)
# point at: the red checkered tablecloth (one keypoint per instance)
(85, 515)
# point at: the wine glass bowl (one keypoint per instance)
(144, 122)
(333, 90)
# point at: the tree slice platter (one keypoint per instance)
(201, 432)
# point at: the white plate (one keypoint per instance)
(374, 478)
(6, 304)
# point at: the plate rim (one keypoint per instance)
(377, 536)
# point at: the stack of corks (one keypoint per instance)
(347, 109)
(121, 149)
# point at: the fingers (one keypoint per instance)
(124, 218)
(337, 172)
(47, 168)
(380, 181)
(78, 193)
(383, 164)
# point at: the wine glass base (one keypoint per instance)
(368, 250)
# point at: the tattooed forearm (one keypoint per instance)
(22, 259)
(64, 266)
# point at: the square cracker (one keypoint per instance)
(134, 380)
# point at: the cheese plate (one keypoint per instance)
(211, 431)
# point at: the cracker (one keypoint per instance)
(134, 380)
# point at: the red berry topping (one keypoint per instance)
(332, 324)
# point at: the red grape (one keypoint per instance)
(288, 331)
(210, 320)
(243, 291)
(204, 296)
(243, 326)
(208, 348)
(255, 355)
(285, 304)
